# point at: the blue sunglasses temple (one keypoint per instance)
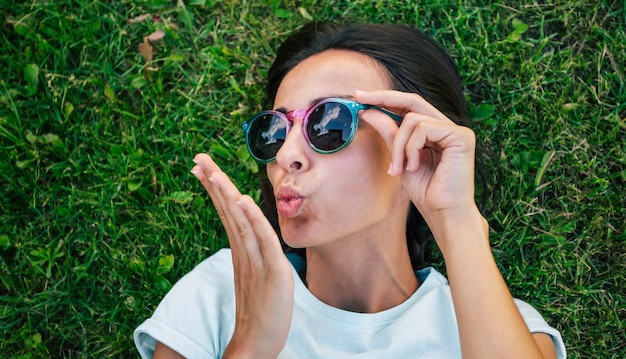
(393, 116)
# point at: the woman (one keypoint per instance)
(351, 203)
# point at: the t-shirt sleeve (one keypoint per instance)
(195, 316)
(536, 324)
(153, 330)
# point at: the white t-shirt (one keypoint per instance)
(197, 318)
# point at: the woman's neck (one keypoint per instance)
(362, 275)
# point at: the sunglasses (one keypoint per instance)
(328, 126)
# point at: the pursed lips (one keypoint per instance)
(288, 202)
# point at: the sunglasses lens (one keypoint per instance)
(330, 126)
(266, 134)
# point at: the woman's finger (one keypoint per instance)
(400, 102)
(383, 124)
(421, 132)
(206, 171)
(242, 230)
(207, 164)
(206, 179)
(410, 140)
(265, 235)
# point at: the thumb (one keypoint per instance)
(383, 124)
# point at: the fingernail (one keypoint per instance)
(390, 168)
(196, 173)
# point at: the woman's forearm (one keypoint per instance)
(490, 325)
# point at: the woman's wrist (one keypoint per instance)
(459, 229)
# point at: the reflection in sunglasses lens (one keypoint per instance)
(267, 134)
(330, 125)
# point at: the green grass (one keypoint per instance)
(100, 215)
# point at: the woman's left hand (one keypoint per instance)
(433, 155)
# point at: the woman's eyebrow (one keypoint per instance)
(318, 100)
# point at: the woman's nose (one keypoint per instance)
(293, 155)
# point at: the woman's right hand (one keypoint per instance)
(263, 275)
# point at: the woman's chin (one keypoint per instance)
(295, 236)
(295, 242)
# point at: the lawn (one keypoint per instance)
(103, 105)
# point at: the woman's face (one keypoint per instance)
(322, 198)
